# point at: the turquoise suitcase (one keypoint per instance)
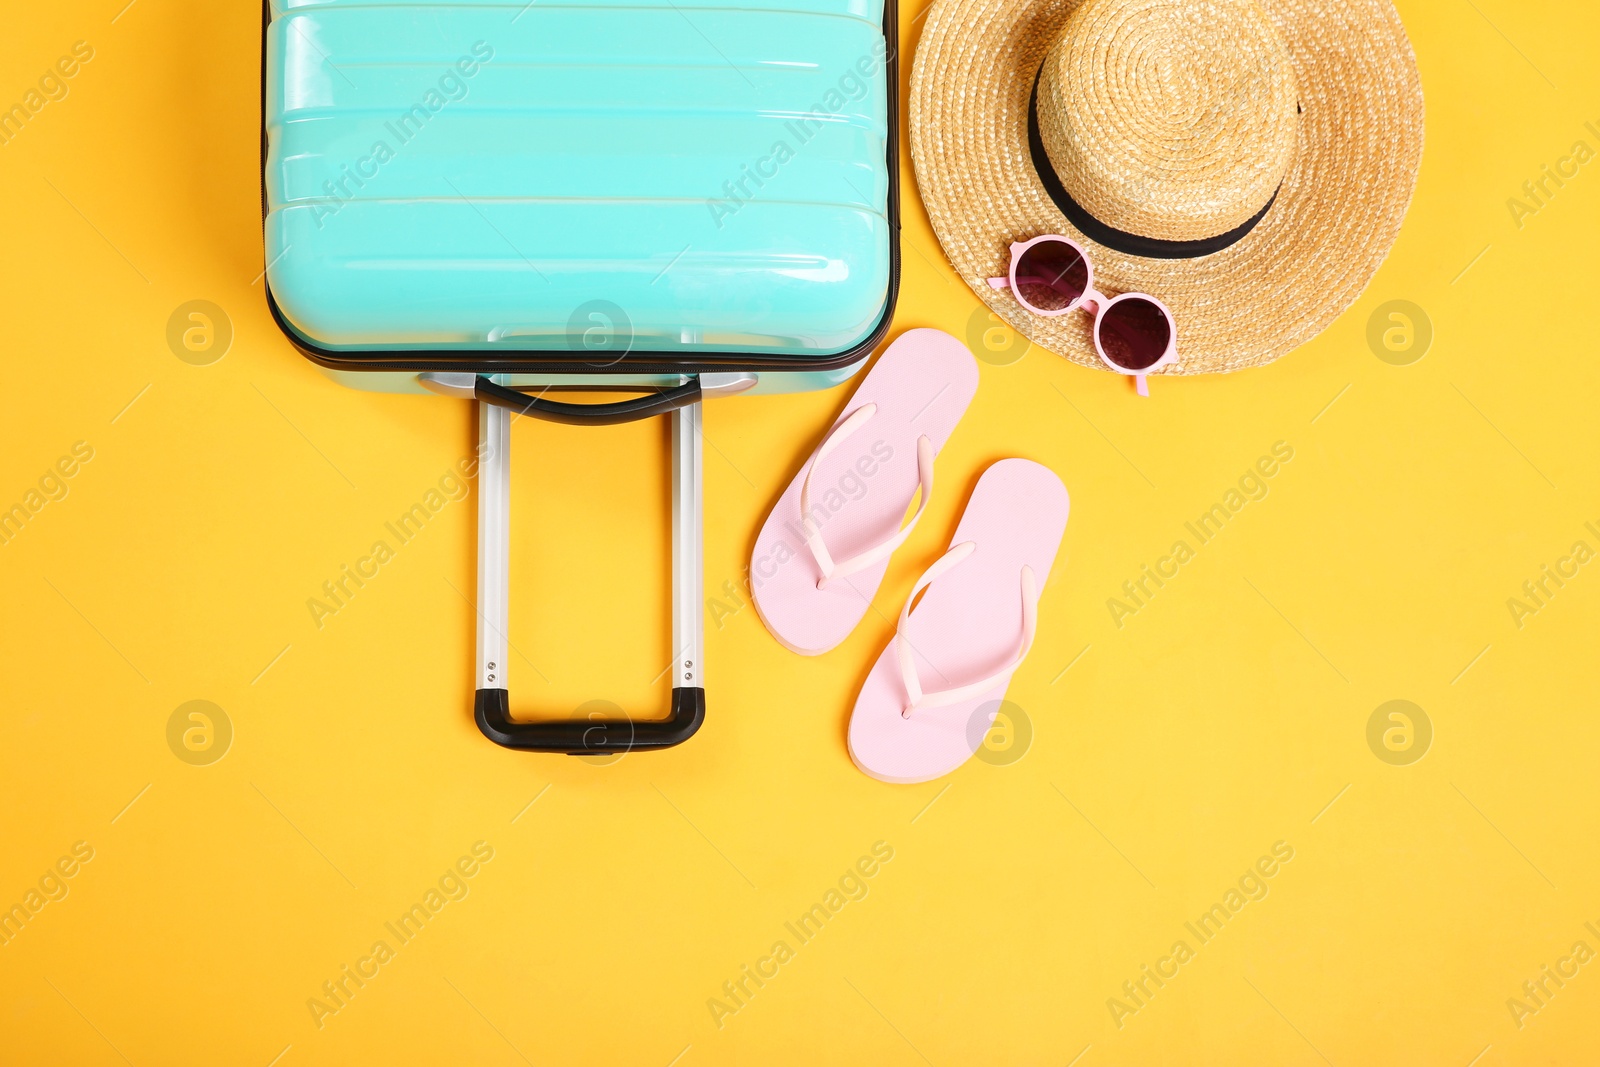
(503, 200)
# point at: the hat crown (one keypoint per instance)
(1169, 119)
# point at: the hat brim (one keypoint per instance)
(1335, 217)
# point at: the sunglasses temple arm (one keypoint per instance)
(999, 283)
(1141, 384)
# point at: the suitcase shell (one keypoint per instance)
(519, 187)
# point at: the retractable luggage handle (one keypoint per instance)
(492, 704)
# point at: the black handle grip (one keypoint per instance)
(621, 411)
(589, 737)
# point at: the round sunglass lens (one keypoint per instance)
(1135, 333)
(1052, 276)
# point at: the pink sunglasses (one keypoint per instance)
(1133, 333)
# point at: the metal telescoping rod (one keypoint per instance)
(688, 549)
(494, 543)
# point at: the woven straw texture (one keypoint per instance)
(1175, 119)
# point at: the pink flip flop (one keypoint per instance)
(952, 658)
(826, 544)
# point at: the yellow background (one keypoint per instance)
(1223, 717)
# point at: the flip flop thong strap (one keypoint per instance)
(918, 698)
(826, 564)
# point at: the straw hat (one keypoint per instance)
(1247, 162)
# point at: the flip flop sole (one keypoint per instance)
(968, 625)
(860, 491)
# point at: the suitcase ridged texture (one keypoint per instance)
(482, 176)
